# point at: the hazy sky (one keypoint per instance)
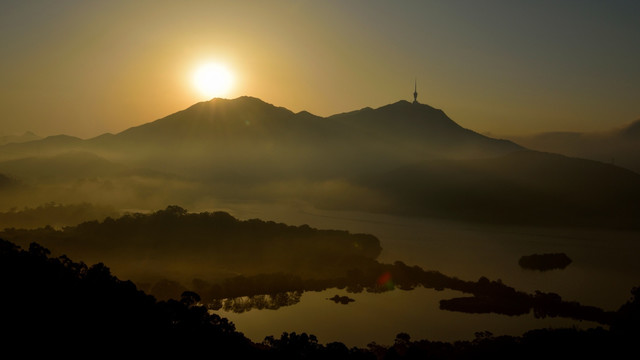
(88, 67)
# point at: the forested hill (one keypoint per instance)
(54, 303)
(175, 238)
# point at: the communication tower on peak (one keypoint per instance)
(415, 92)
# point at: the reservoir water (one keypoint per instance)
(603, 271)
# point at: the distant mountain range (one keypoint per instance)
(620, 147)
(401, 158)
(27, 136)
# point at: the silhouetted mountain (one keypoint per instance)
(250, 150)
(248, 117)
(27, 136)
(421, 124)
(525, 187)
(51, 145)
(621, 146)
(264, 139)
(244, 116)
(261, 138)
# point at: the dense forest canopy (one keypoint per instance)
(176, 238)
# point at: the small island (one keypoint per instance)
(544, 262)
(341, 299)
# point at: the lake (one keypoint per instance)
(603, 271)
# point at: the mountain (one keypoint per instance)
(248, 118)
(51, 145)
(269, 141)
(424, 125)
(525, 187)
(27, 136)
(620, 146)
(251, 121)
(219, 118)
(221, 139)
(404, 158)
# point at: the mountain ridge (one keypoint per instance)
(619, 146)
(251, 131)
(26, 136)
(247, 115)
(402, 158)
(244, 116)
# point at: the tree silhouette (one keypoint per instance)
(190, 298)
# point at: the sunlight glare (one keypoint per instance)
(213, 80)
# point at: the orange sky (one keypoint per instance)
(86, 67)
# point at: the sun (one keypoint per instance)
(213, 80)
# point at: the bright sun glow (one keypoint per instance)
(213, 80)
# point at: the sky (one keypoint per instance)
(84, 67)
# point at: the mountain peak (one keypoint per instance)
(404, 115)
(244, 103)
(410, 106)
(244, 100)
(218, 115)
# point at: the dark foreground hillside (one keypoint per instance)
(54, 305)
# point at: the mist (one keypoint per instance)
(252, 207)
(616, 146)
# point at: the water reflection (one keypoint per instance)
(379, 317)
(487, 296)
(604, 267)
(243, 304)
